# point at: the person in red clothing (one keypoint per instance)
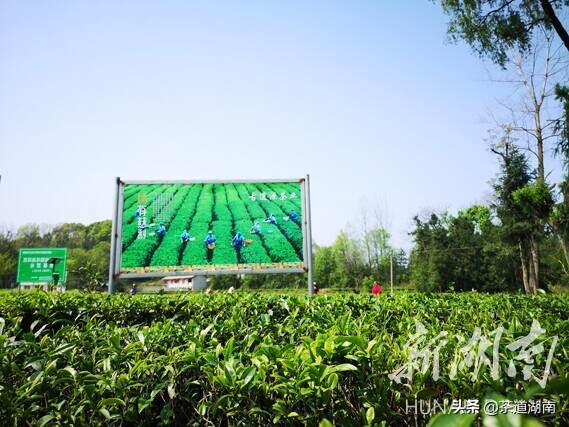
(376, 288)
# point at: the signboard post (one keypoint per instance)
(114, 237)
(42, 265)
(164, 228)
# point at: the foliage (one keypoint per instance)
(492, 27)
(482, 246)
(560, 212)
(461, 252)
(523, 209)
(534, 203)
(562, 125)
(351, 259)
(246, 359)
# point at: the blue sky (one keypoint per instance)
(367, 97)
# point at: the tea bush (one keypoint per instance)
(252, 359)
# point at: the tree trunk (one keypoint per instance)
(531, 272)
(554, 20)
(565, 246)
(540, 160)
(368, 254)
(535, 263)
(525, 273)
(538, 103)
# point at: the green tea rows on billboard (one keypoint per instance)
(212, 227)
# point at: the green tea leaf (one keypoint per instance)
(45, 419)
(143, 404)
(112, 401)
(248, 375)
(116, 342)
(105, 413)
(71, 371)
(370, 415)
(344, 367)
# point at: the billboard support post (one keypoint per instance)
(114, 239)
(309, 237)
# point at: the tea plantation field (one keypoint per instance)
(222, 208)
(250, 359)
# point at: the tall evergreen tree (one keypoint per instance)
(523, 208)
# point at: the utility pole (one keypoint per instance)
(391, 271)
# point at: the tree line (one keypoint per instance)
(518, 242)
(87, 257)
(350, 262)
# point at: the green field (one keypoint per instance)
(256, 359)
(222, 208)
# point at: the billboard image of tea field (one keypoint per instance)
(190, 227)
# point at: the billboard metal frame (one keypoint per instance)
(116, 232)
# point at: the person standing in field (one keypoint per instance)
(271, 219)
(161, 230)
(209, 243)
(185, 236)
(315, 288)
(209, 240)
(238, 241)
(293, 216)
(376, 288)
(140, 210)
(256, 228)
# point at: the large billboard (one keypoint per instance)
(210, 227)
(37, 265)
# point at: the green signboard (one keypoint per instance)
(211, 227)
(36, 265)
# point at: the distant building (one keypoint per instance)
(27, 286)
(43, 286)
(175, 283)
